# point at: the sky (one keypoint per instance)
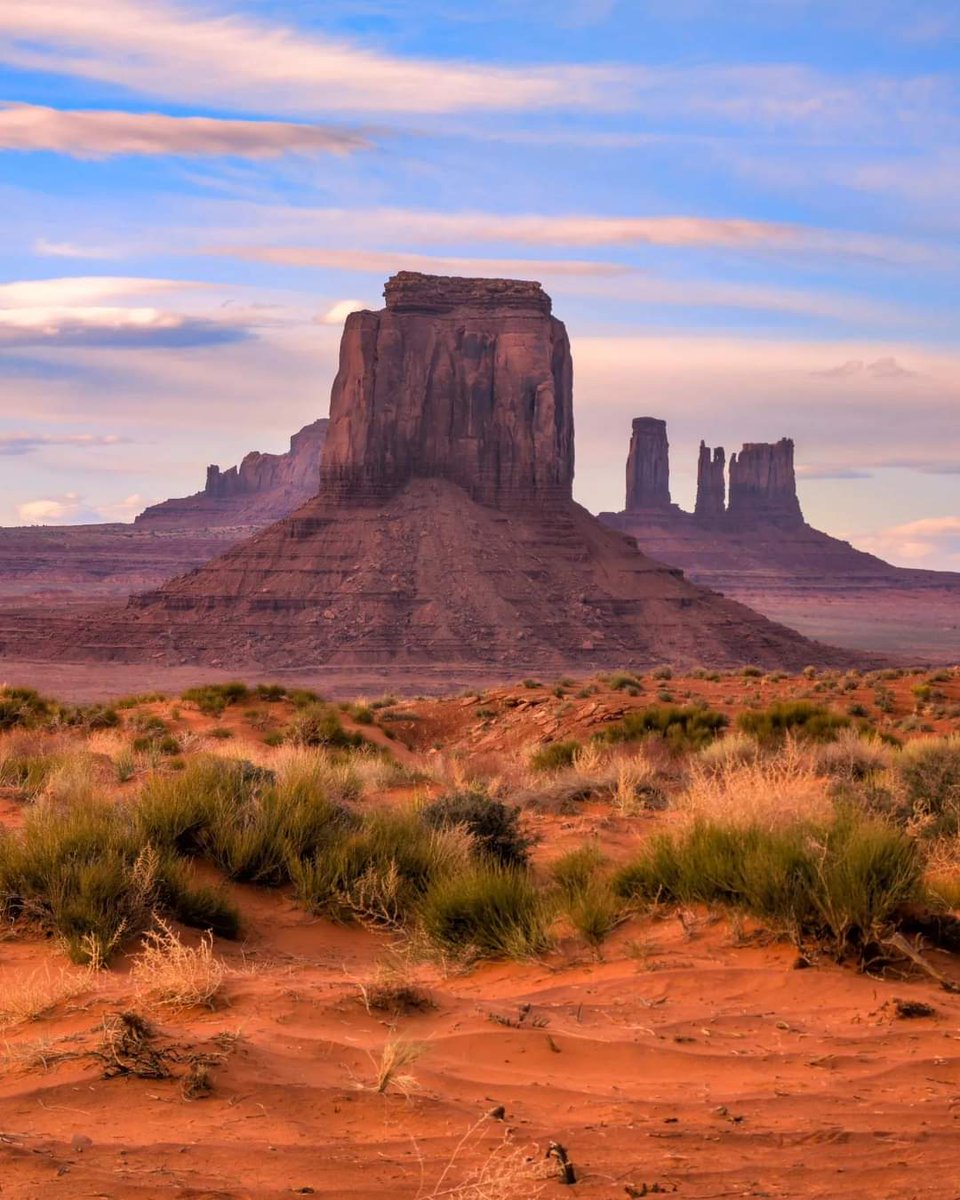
(746, 214)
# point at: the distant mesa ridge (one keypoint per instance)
(263, 488)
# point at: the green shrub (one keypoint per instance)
(319, 725)
(22, 708)
(811, 722)
(84, 871)
(494, 826)
(683, 728)
(575, 870)
(928, 773)
(841, 882)
(594, 911)
(213, 698)
(378, 871)
(486, 910)
(555, 756)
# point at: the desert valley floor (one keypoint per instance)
(695, 1051)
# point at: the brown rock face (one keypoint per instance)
(711, 484)
(444, 531)
(763, 483)
(648, 466)
(468, 380)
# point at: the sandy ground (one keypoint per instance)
(695, 1059)
(684, 1060)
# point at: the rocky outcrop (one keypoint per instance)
(468, 380)
(648, 466)
(444, 530)
(760, 551)
(263, 488)
(763, 484)
(711, 484)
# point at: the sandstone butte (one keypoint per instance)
(747, 538)
(444, 529)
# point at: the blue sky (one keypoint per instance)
(748, 222)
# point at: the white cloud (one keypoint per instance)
(173, 50)
(929, 542)
(104, 134)
(341, 310)
(65, 509)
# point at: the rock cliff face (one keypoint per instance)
(648, 466)
(458, 379)
(763, 484)
(711, 484)
(444, 531)
(263, 488)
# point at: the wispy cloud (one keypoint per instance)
(927, 542)
(95, 134)
(15, 444)
(580, 230)
(172, 50)
(386, 262)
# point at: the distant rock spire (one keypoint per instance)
(711, 483)
(648, 466)
(763, 484)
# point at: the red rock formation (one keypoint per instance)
(762, 553)
(763, 484)
(648, 466)
(264, 488)
(466, 380)
(444, 530)
(711, 485)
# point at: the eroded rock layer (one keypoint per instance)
(444, 529)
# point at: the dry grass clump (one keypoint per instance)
(168, 972)
(505, 1171)
(394, 992)
(397, 1054)
(33, 997)
(770, 790)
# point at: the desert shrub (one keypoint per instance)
(319, 725)
(85, 716)
(486, 910)
(727, 752)
(622, 681)
(842, 881)
(851, 758)
(752, 672)
(28, 772)
(493, 825)
(554, 756)
(270, 692)
(682, 728)
(83, 871)
(928, 775)
(170, 973)
(23, 708)
(575, 870)
(212, 698)
(235, 814)
(800, 718)
(594, 911)
(378, 871)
